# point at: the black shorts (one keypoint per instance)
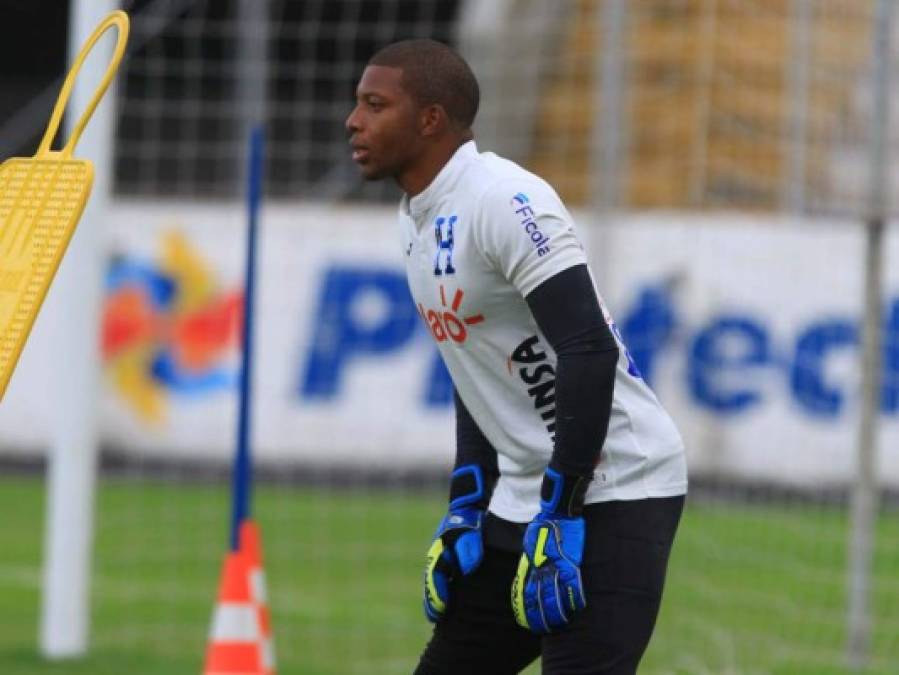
(623, 571)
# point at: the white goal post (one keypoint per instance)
(72, 316)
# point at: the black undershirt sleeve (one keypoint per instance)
(567, 311)
(472, 447)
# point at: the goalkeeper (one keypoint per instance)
(570, 477)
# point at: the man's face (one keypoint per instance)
(383, 126)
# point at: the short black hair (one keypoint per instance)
(434, 73)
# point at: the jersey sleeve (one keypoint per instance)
(526, 233)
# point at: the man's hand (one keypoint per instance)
(457, 549)
(547, 589)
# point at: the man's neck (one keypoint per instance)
(419, 177)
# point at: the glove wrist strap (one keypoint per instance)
(563, 494)
(468, 488)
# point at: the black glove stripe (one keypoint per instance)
(580, 588)
(539, 583)
(557, 535)
(559, 597)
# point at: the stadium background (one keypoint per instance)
(715, 154)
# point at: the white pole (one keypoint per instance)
(611, 163)
(705, 68)
(608, 161)
(73, 311)
(865, 493)
(794, 190)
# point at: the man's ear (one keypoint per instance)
(433, 120)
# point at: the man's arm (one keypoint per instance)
(547, 588)
(567, 311)
(458, 547)
(472, 450)
(564, 304)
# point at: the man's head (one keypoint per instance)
(416, 102)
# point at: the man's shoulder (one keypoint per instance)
(495, 181)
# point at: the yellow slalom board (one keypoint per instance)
(41, 200)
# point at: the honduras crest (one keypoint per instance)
(443, 231)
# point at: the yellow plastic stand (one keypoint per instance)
(41, 201)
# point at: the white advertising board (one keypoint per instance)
(747, 328)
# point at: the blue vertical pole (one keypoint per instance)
(243, 465)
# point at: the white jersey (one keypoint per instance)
(481, 237)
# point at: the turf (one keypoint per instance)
(752, 588)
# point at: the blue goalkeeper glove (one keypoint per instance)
(547, 589)
(457, 548)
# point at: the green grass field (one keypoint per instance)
(752, 589)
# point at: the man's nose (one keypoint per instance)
(352, 121)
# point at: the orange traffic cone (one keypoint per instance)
(251, 547)
(240, 638)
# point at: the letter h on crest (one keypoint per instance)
(444, 243)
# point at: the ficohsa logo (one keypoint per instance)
(538, 375)
(521, 203)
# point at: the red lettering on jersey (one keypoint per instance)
(437, 329)
(446, 324)
(457, 298)
(454, 327)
